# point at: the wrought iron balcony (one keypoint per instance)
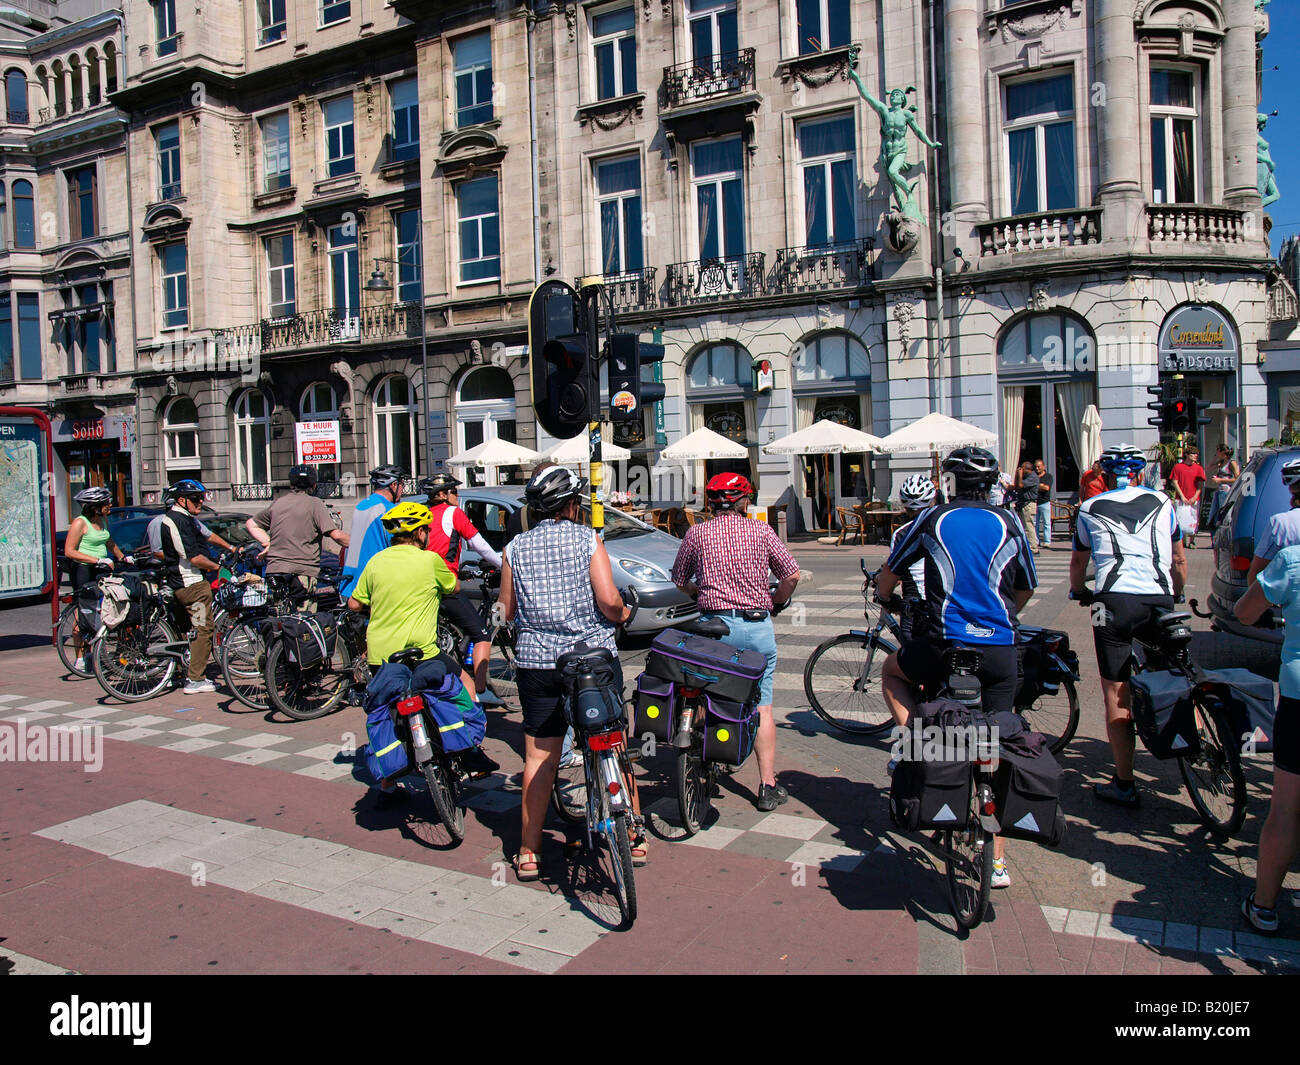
(712, 280)
(827, 266)
(386, 321)
(18, 116)
(1046, 230)
(252, 493)
(1196, 224)
(632, 291)
(706, 79)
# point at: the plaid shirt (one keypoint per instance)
(728, 558)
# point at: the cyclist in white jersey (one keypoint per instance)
(1132, 536)
(918, 495)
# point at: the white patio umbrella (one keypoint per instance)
(702, 444)
(825, 438)
(493, 454)
(937, 432)
(1091, 443)
(577, 451)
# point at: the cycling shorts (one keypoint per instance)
(922, 663)
(1123, 614)
(461, 613)
(541, 696)
(1286, 735)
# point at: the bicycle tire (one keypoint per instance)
(300, 694)
(969, 860)
(1057, 723)
(125, 669)
(436, 775)
(451, 641)
(832, 682)
(1215, 775)
(620, 853)
(503, 669)
(694, 784)
(65, 633)
(243, 664)
(567, 786)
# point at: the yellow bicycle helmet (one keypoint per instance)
(406, 518)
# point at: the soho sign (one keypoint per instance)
(1196, 338)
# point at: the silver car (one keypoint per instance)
(641, 556)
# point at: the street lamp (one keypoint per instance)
(379, 283)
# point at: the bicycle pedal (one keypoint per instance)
(634, 754)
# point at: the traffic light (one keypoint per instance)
(1199, 406)
(1160, 418)
(1180, 419)
(629, 392)
(559, 360)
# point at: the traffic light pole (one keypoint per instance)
(590, 293)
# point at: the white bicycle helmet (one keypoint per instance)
(917, 492)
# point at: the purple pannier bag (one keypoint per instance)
(729, 731)
(698, 662)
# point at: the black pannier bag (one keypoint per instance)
(309, 640)
(698, 662)
(1027, 789)
(931, 794)
(593, 700)
(729, 731)
(1163, 714)
(655, 708)
(1251, 708)
(88, 608)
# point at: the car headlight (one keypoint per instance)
(643, 571)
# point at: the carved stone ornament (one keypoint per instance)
(1039, 300)
(903, 233)
(236, 137)
(571, 19)
(1201, 290)
(172, 386)
(904, 312)
(1039, 19)
(608, 118)
(475, 352)
(645, 9)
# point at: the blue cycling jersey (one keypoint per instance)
(976, 558)
(368, 538)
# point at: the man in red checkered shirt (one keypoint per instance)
(724, 563)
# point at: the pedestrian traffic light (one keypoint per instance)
(1199, 406)
(629, 392)
(1161, 392)
(1180, 419)
(559, 360)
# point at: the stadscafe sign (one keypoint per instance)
(1198, 339)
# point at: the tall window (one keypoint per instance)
(181, 436)
(394, 423)
(24, 215)
(822, 24)
(480, 229)
(176, 295)
(164, 26)
(88, 328)
(252, 438)
(613, 42)
(29, 338)
(270, 21)
(320, 404)
(406, 228)
(6, 337)
(345, 278)
(4, 219)
(472, 59)
(1039, 126)
(485, 407)
(83, 209)
(618, 196)
(275, 151)
(827, 163)
(167, 137)
(713, 30)
(406, 119)
(339, 146)
(16, 97)
(332, 11)
(1174, 148)
(719, 198)
(279, 275)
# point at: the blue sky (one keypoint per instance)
(1282, 94)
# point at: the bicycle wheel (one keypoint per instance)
(243, 664)
(502, 669)
(302, 694)
(694, 784)
(124, 666)
(1214, 778)
(451, 641)
(65, 641)
(438, 775)
(842, 682)
(569, 792)
(970, 872)
(620, 865)
(1055, 716)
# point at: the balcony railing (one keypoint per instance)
(1194, 224)
(316, 328)
(1039, 232)
(704, 79)
(17, 116)
(632, 291)
(252, 493)
(711, 280)
(828, 266)
(331, 489)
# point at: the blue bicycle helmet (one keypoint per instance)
(1123, 460)
(188, 488)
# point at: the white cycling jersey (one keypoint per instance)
(1130, 532)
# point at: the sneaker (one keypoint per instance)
(893, 764)
(1001, 878)
(489, 699)
(477, 764)
(770, 796)
(388, 799)
(571, 760)
(1113, 793)
(198, 687)
(1261, 920)
(80, 665)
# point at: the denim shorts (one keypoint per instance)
(757, 636)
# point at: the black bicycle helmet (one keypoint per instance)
(188, 488)
(385, 476)
(440, 482)
(551, 489)
(303, 476)
(972, 468)
(93, 497)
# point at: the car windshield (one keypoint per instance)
(128, 533)
(618, 526)
(230, 529)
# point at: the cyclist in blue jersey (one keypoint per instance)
(368, 536)
(1132, 535)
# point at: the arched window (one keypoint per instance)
(320, 403)
(75, 64)
(720, 366)
(24, 215)
(394, 423)
(110, 57)
(59, 99)
(833, 357)
(181, 439)
(485, 408)
(16, 97)
(1056, 343)
(252, 411)
(719, 396)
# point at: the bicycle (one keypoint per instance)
(313, 685)
(842, 675)
(502, 668)
(67, 630)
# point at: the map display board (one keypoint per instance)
(26, 532)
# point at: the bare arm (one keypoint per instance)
(354, 604)
(785, 589)
(1251, 606)
(608, 601)
(1023, 595)
(340, 537)
(74, 539)
(886, 582)
(257, 533)
(1078, 569)
(506, 598)
(1257, 565)
(1178, 567)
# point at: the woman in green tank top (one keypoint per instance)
(89, 542)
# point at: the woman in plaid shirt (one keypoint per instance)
(724, 563)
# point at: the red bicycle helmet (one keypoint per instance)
(727, 489)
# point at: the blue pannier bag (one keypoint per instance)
(459, 720)
(386, 753)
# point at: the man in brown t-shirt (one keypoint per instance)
(293, 528)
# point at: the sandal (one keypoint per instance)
(522, 861)
(640, 851)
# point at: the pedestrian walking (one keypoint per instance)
(1027, 500)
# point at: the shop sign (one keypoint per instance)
(317, 442)
(1198, 339)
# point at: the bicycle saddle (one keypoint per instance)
(407, 657)
(712, 628)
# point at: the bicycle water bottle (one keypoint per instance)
(469, 655)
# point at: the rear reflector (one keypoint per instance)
(990, 807)
(606, 742)
(1241, 563)
(614, 787)
(413, 705)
